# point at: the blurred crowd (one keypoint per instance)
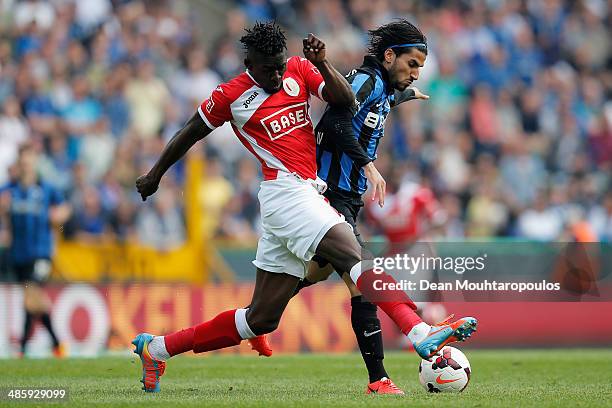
(515, 141)
(98, 87)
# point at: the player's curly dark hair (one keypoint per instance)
(266, 38)
(398, 32)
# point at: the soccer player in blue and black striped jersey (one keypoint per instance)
(31, 207)
(347, 143)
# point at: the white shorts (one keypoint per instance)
(295, 218)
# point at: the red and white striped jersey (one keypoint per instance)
(405, 212)
(276, 128)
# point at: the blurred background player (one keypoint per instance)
(30, 207)
(410, 214)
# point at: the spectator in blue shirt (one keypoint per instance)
(80, 115)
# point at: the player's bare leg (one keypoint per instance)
(37, 305)
(270, 298)
(315, 274)
(341, 248)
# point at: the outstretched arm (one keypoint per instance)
(407, 95)
(193, 131)
(337, 90)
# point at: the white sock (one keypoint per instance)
(418, 332)
(157, 348)
(359, 268)
(242, 326)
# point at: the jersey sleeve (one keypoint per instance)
(215, 110)
(311, 75)
(337, 124)
(364, 88)
(402, 96)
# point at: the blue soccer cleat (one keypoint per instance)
(443, 333)
(152, 369)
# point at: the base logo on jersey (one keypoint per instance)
(291, 86)
(286, 120)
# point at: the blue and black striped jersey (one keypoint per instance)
(374, 97)
(31, 229)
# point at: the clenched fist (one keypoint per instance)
(147, 185)
(314, 49)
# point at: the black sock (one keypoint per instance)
(27, 328)
(303, 283)
(369, 337)
(46, 321)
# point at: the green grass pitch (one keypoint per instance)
(501, 378)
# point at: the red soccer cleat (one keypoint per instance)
(261, 345)
(60, 351)
(384, 386)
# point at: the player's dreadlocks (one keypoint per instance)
(393, 35)
(266, 38)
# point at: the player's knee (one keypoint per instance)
(341, 248)
(351, 257)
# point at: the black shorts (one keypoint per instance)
(25, 272)
(4, 265)
(349, 206)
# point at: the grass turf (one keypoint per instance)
(501, 378)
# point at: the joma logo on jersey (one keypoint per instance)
(286, 120)
(250, 99)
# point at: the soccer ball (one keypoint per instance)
(448, 372)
